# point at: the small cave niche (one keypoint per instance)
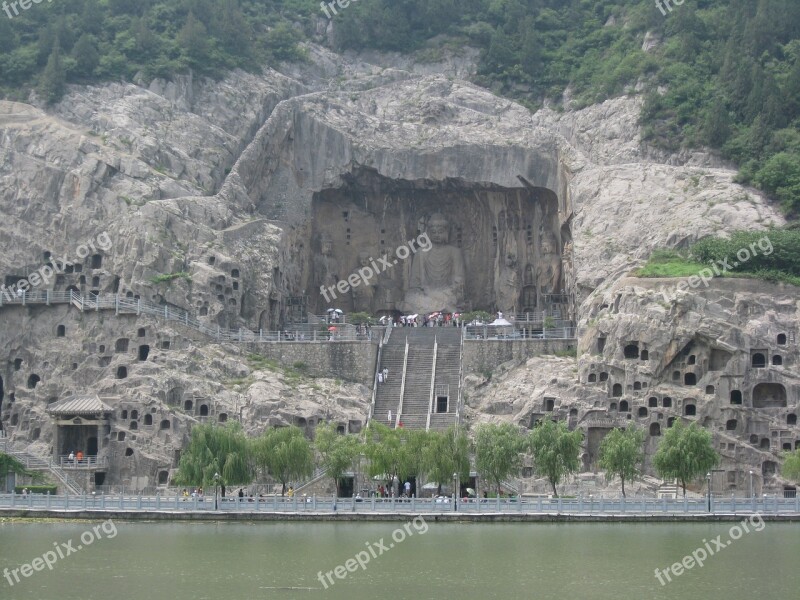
(164, 425)
(163, 477)
(121, 436)
(165, 345)
(765, 444)
(17, 364)
(235, 273)
(777, 360)
(124, 415)
(223, 417)
(188, 406)
(601, 344)
(33, 379)
(655, 429)
(573, 412)
(35, 433)
(754, 439)
(652, 402)
(642, 412)
(616, 391)
(613, 407)
(134, 414)
(781, 339)
(645, 355)
(592, 378)
(97, 261)
(631, 351)
(134, 425)
(212, 260)
(769, 468)
(121, 345)
(144, 352)
(736, 396)
(692, 360)
(101, 348)
(148, 419)
(791, 419)
(61, 331)
(122, 372)
(14, 420)
(758, 361)
(603, 376)
(670, 422)
(549, 404)
(689, 410)
(637, 385)
(690, 379)
(141, 332)
(676, 376)
(710, 389)
(128, 451)
(203, 311)
(624, 406)
(204, 410)
(787, 446)
(235, 286)
(730, 425)
(769, 395)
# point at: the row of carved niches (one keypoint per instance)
(491, 248)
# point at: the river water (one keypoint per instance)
(195, 561)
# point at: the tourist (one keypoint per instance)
(390, 417)
(71, 457)
(385, 374)
(290, 493)
(407, 488)
(79, 456)
(241, 493)
(380, 377)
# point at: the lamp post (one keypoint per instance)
(216, 488)
(708, 482)
(751, 485)
(455, 492)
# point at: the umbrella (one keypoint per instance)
(470, 491)
(383, 477)
(331, 328)
(335, 311)
(431, 486)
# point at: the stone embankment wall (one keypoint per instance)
(486, 355)
(349, 361)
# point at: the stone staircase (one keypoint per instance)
(37, 463)
(411, 395)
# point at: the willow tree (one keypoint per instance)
(685, 453)
(216, 449)
(791, 466)
(9, 464)
(337, 451)
(497, 452)
(389, 452)
(446, 453)
(556, 451)
(622, 453)
(285, 454)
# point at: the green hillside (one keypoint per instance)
(725, 73)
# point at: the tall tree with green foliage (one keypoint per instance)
(389, 452)
(54, 77)
(497, 452)
(216, 449)
(556, 451)
(337, 452)
(285, 454)
(791, 466)
(622, 454)
(685, 454)
(445, 453)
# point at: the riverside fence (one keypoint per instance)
(582, 506)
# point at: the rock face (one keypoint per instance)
(217, 197)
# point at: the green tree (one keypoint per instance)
(497, 452)
(389, 452)
(214, 449)
(9, 464)
(193, 38)
(337, 452)
(685, 453)
(284, 453)
(622, 454)
(556, 451)
(54, 77)
(791, 466)
(445, 453)
(86, 56)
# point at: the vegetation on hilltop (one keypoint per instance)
(724, 73)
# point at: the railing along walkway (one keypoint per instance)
(122, 305)
(578, 506)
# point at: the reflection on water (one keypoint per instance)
(175, 561)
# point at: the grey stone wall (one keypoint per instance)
(483, 355)
(349, 361)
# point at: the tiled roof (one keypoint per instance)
(79, 405)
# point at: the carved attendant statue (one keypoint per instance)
(437, 275)
(548, 270)
(364, 292)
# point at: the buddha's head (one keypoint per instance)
(438, 229)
